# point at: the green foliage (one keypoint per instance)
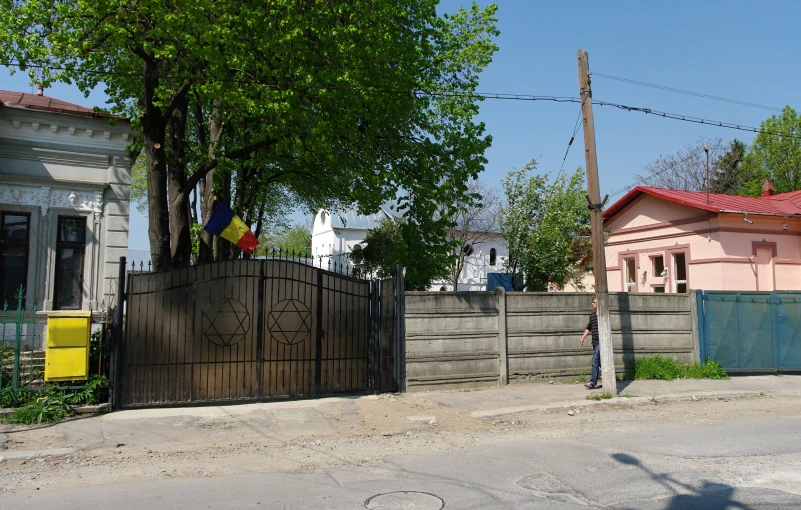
(91, 395)
(292, 239)
(426, 254)
(775, 156)
(546, 228)
(728, 175)
(347, 101)
(666, 369)
(49, 406)
(600, 396)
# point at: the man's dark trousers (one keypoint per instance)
(596, 363)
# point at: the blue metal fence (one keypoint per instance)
(751, 331)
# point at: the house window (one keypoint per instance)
(70, 247)
(493, 256)
(659, 288)
(468, 249)
(680, 272)
(631, 275)
(14, 241)
(658, 265)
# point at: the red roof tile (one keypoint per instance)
(45, 103)
(783, 204)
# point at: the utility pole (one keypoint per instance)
(596, 209)
(706, 149)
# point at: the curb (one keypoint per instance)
(28, 455)
(618, 401)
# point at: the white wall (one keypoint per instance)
(55, 165)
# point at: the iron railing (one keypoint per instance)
(22, 367)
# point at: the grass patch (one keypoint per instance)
(600, 396)
(666, 369)
(49, 407)
(580, 379)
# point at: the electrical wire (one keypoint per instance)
(686, 92)
(570, 143)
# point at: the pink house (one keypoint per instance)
(664, 240)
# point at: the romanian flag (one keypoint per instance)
(229, 226)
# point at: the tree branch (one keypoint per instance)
(210, 165)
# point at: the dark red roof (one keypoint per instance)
(45, 103)
(783, 204)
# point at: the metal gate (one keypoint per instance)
(249, 330)
(751, 331)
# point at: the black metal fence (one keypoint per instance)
(246, 330)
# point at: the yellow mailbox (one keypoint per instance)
(67, 354)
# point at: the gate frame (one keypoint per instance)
(375, 356)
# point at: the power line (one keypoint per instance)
(570, 143)
(524, 97)
(687, 92)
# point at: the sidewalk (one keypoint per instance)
(538, 397)
(149, 431)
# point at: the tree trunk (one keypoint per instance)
(208, 242)
(153, 133)
(180, 235)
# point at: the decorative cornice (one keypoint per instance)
(109, 140)
(46, 197)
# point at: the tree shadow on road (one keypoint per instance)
(710, 496)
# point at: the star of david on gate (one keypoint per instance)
(225, 322)
(289, 322)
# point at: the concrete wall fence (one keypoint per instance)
(458, 340)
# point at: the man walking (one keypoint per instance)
(592, 327)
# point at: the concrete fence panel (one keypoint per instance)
(451, 340)
(470, 339)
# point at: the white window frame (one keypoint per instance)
(676, 283)
(628, 286)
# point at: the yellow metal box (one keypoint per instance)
(67, 351)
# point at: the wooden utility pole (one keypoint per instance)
(596, 208)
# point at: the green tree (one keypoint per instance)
(293, 239)
(546, 228)
(341, 102)
(775, 153)
(728, 175)
(427, 256)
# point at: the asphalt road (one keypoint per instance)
(732, 465)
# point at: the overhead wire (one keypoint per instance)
(570, 143)
(686, 92)
(498, 96)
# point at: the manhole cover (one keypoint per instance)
(404, 500)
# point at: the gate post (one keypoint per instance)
(318, 363)
(116, 366)
(400, 329)
(696, 316)
(375, 337)
(260, 330)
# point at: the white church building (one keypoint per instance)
(334, 236)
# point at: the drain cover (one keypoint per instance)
(404, 500)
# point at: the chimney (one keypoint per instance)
(39, 90)
(767, 188)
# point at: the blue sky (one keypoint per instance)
(735, 49)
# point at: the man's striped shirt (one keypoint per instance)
(592, 326)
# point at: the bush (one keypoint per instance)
(91, 394)
(49, 407)
(666, 369)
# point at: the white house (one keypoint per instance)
(65, 175)
(334, 236)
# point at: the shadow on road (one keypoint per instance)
(710, 496)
